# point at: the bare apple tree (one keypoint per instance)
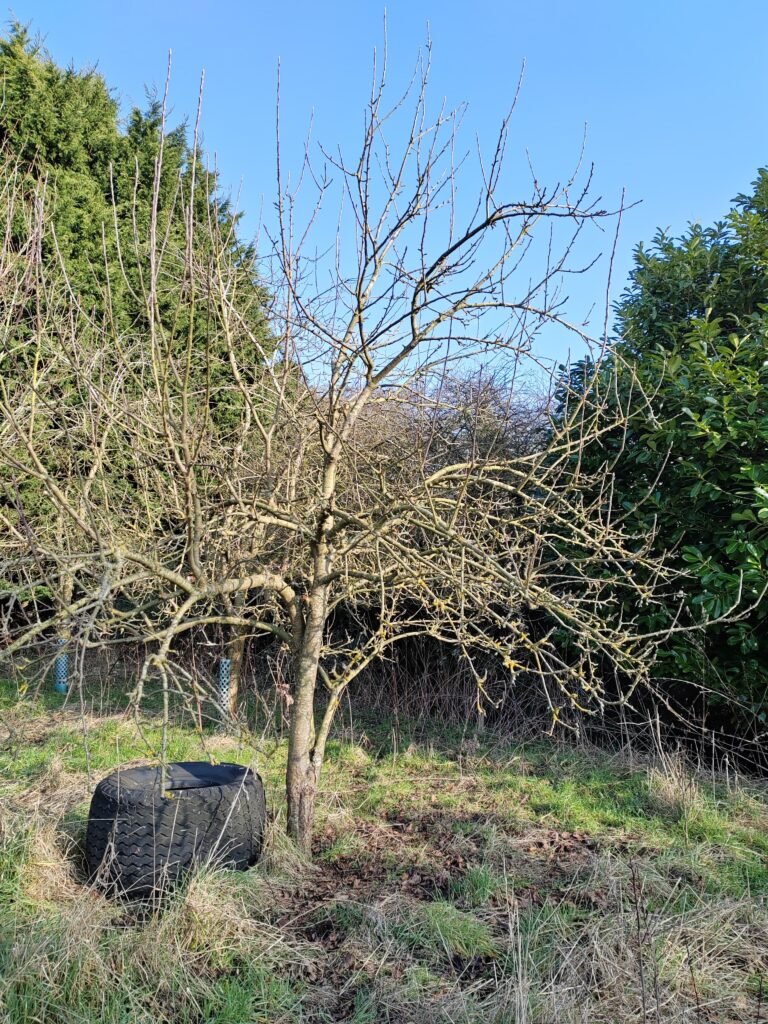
(355, 497)
(422, 282)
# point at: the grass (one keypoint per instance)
(476, 887)
(501, 882)
(439, 931)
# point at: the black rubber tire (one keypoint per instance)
(141, 839)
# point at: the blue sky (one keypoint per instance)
(674, 94)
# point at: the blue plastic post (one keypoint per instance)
(61, 669)
(225, 677)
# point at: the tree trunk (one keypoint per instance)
(305, 749)
(235, 651)
(304, 760)
(301, 782)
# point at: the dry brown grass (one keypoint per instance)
(447, 886)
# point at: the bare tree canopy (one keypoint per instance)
(378, 458)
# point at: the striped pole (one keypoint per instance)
(225, 678)
(61, 669)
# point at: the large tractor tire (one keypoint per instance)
(142, 838)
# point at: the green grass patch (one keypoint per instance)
(441, 930)
(476, 887)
